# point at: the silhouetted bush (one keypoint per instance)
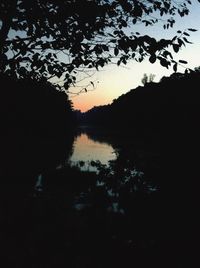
(149, 109)
(37, 127)
(34, 107)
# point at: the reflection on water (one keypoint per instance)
(86, 149)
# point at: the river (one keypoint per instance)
(86, 149)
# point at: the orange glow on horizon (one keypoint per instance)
(84, 107)
(86, 101)
(113, 81)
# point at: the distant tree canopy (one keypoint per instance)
(47, 38)
(171, 103)
(197, 69)
(34, 107)
(147, 79)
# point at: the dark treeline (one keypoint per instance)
(37, 125)
(36, 135)
(151, 228)
(42, 225)
(165, 115)
(34, 107)
(149, 108)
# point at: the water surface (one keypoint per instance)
(86, 149)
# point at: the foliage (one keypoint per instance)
(197, 69)
(58, 39)
(37, 129)
(121, 181)
(147, 79)
(35, 107)
(144, 110)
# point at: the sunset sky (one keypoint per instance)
(113, 81)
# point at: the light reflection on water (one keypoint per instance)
(87, 150)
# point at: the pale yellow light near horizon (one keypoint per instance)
(114, 81)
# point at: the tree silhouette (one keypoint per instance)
(46, 38)
(147, 79)
(144, 79)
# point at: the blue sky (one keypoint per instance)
(114, 81)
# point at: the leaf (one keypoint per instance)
(192, 30)
(183, 61)
(116, 51)
(180, 42)
(22, 70)
(124, 61)
(134, 21)
(101, 62)
(113, 41)
(105, 48)
(187, 34)
(66, 76)
(175, 67)
(69, 81)
(185, 39)
(66, 85)
(137, 12)
(164, 62)
(176, 48)
(152, 58)
(92, 83)
(123, 23)
(167, 5)
(174, 38)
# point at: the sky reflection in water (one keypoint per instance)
(86, 150)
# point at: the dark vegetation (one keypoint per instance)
(165, 116)
(37, 125)
(119, 217)
(43, 32)
(140, 210)
(150, 108)
(37, 133)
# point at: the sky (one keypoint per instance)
(113, 81)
